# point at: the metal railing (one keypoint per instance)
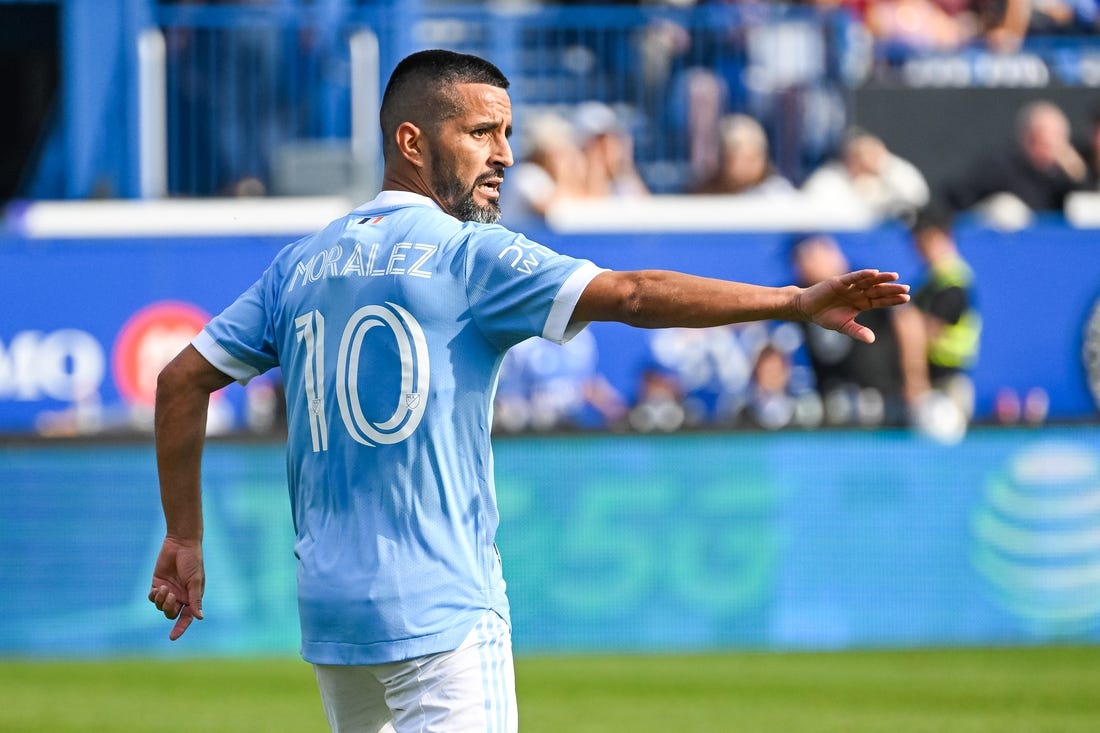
(270, 99)
(190, 99)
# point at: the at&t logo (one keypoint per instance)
(1038, 538)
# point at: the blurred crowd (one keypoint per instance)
(768, 376)
(733, 99)
(589, 156)
(938, 24)
(903, 25)
(765, 376)
(772, 376)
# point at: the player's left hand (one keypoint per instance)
(834, 303)
(179, 580)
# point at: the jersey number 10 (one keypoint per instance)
(412, 398)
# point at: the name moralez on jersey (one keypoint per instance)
(404, 258)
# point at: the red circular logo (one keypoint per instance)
(148, 341)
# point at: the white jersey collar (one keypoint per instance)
(391, 199)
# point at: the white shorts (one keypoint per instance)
(469, 690)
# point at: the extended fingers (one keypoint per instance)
(890, 288)
(860, 277)
(887, 294)
(183, 607)
(880, 288)
(185, 619)
(868, 278)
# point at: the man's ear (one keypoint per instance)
(410, 141)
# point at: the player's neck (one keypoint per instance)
(411, 181)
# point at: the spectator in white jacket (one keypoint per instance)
(868, 177)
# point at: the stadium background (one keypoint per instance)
(705, 541)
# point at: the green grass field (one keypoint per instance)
(1047, 690)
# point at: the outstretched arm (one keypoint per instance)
(663, 299)
(183, 396)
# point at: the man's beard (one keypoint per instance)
(459, 201)
(468, 210)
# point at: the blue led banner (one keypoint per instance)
(86, 324)
(796, 540)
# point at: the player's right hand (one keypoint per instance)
(178, 583)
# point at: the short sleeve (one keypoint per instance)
(240, 341)
(518, 288)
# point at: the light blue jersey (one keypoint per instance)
(390, 325)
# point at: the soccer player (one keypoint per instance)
(389, 326)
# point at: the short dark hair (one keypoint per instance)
(420, 89)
